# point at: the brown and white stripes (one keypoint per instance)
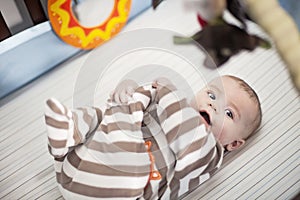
(102, 154)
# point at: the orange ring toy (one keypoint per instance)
(67, 27)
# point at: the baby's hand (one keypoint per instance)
(161, 82)
(123, 91)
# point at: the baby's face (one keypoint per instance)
(227, 111)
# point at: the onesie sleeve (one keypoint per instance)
(196, 150)
(179, 121)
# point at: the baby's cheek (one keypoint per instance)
(218, 124)
(194, 104)
(219, 132)
(216, 131)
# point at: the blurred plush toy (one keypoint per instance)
(212, 36)
(155, 3)
(220, 39)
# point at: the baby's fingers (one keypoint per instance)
(111, 95)
(119, 97)
(123, 97)
(130, 91)
(161, 82)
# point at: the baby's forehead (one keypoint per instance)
(224, 83)
(223, 80)
(232, 90)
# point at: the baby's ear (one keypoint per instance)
(235, 145)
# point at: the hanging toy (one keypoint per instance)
(222, 41)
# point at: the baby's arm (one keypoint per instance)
(67, 128)
(196, 151)
(169, 100)
(181, 124)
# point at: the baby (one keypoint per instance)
(150, 144)
(231, 109)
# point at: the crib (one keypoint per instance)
(267, 167)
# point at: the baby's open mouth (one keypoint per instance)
(205, 115)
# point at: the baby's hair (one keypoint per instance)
(252, 94)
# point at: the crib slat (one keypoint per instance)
(36, 11)
(4, 30)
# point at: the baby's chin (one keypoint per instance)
(216, 133)
(210, 129)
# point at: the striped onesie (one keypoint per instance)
(154, 147)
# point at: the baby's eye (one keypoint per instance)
(211, 95)
(229, 113)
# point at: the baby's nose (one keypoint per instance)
(212, 106)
